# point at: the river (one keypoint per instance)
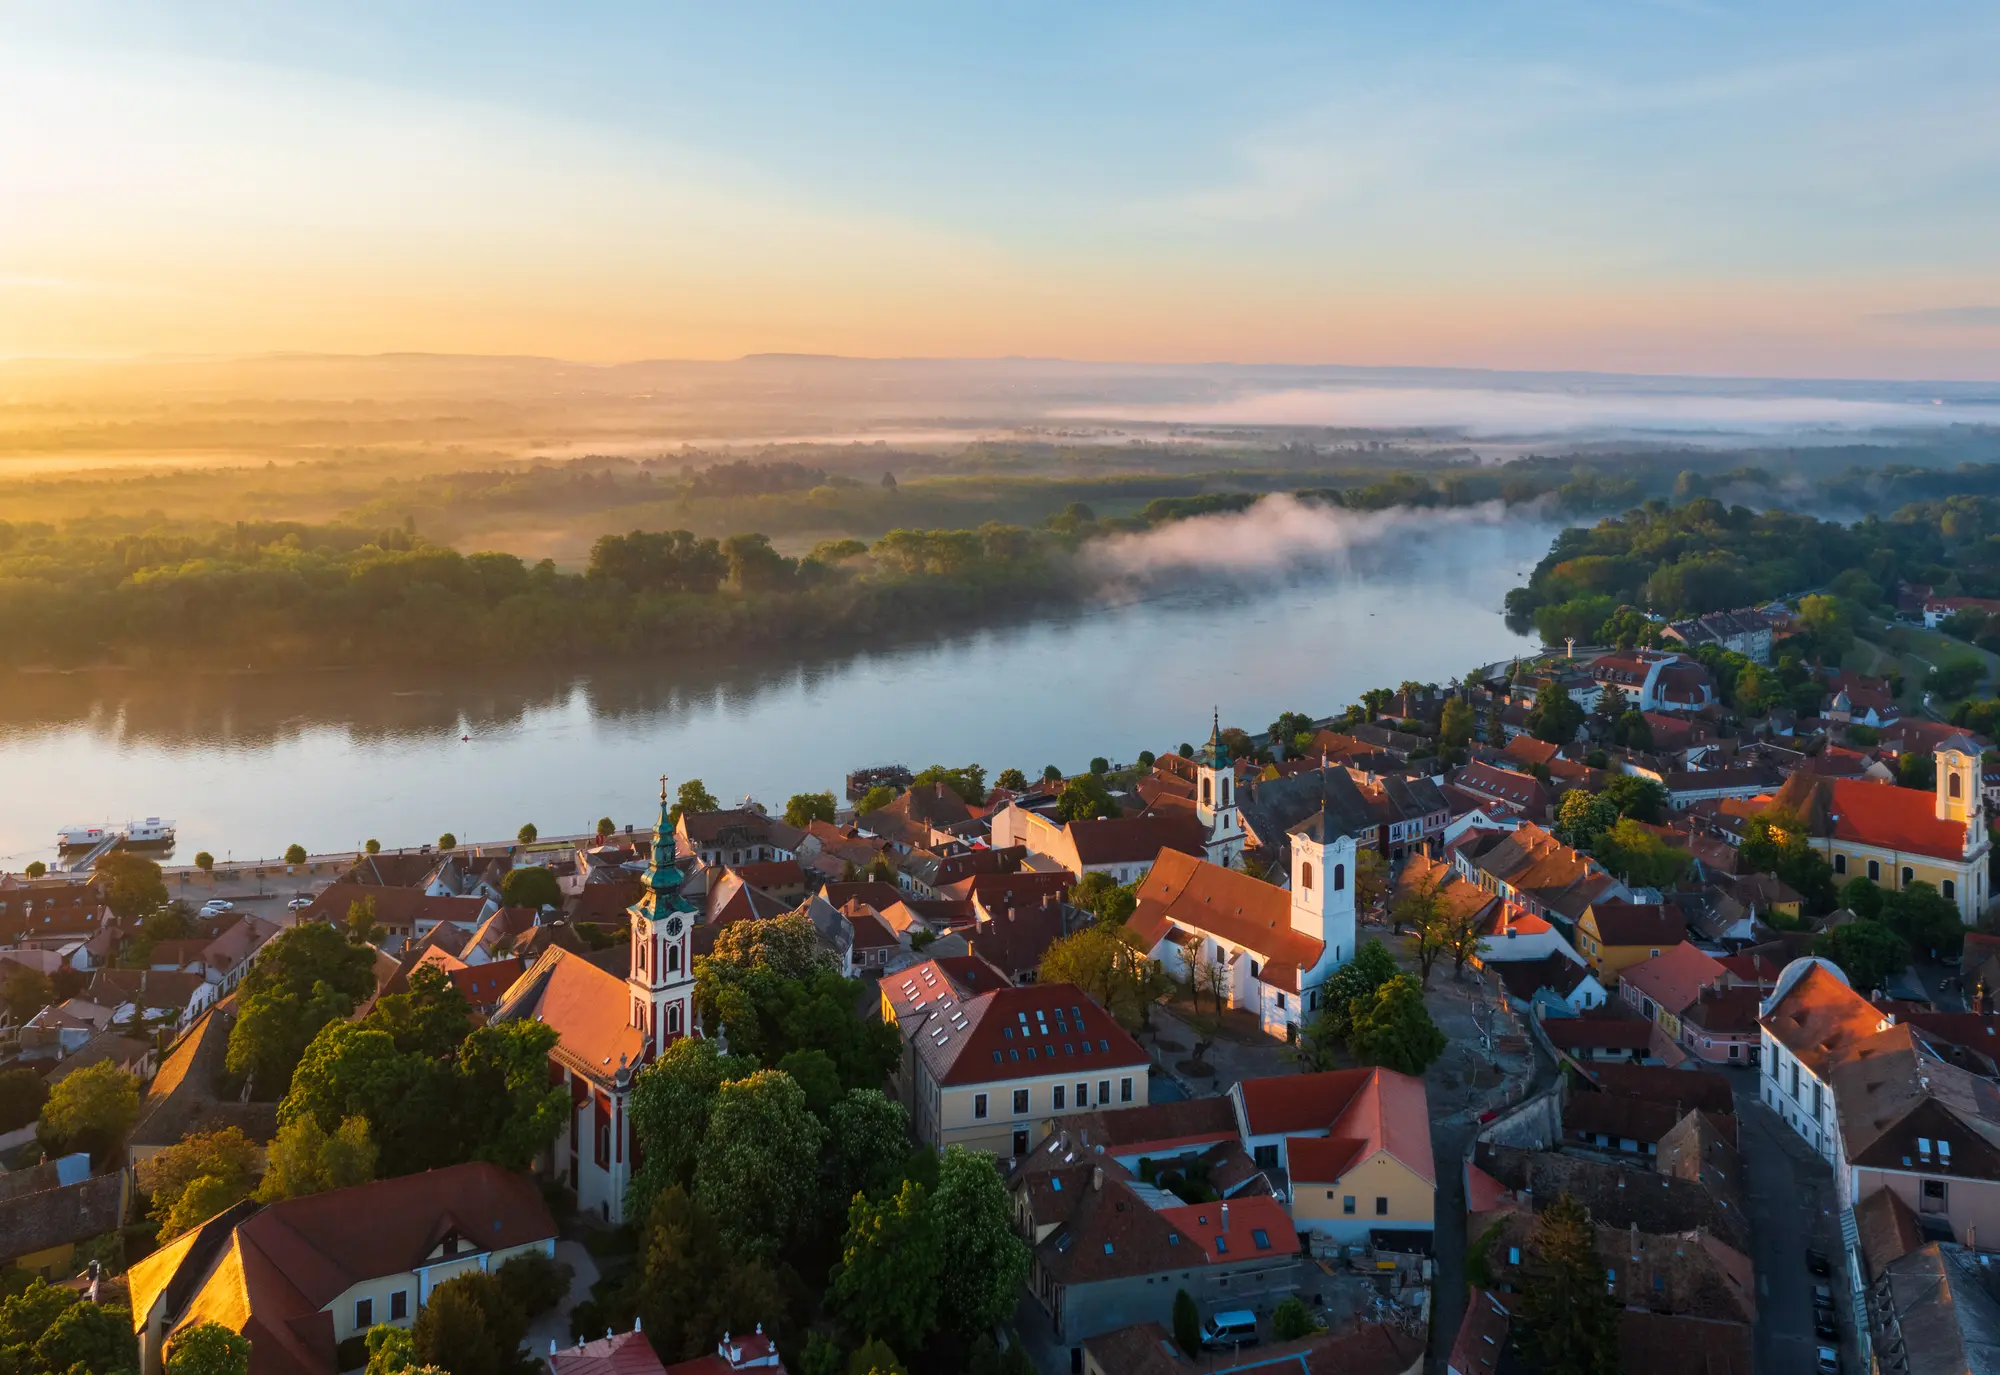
(251, 764)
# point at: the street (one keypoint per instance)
(1789, 1191)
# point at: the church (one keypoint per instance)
(614, 1011)
(1259, 946)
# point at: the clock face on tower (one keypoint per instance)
(673, 928)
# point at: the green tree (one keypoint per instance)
(305, 978)
(875, 799)
(1862, 896)
(1099, 764)
(1639, 857)
(1917, 770)
(875, 1358)
(22, 1094)
(49, 1331)
(867, 1142)
(1395, 1030)
(1582, 817)
(208, 1348)
(393, 1351)
(307, 1159)
(502, 1099)
(802, 809)
(447, 841)
(1355, 981)
(533, 1283)
(1868, 952)
(1455, 724)
(205, 862)
(1109, 964)
(1632, 730)
(429, 1018)
(692, 796)
(1567, 1320)
(531, 885)
(355, 1070)
(295, 853)
(1013, 780)
(198, 1176)
(1421, 906)
(969, 781)
(527, 834)
(373, 847)
(758, 1169)
(131, 884)
(813, 1070)
(1291, 1320)
(890, 1265)
(1105, 897)
(1052, 774)
(691, 1289)
(1555, 717)
(1085, 798)
(1187, 1323)
(36, 869)
(1774, 842)
(1636, 797)
(1830, 622)
(91, 1109)
(1928, 921)
(985, 1262)
(25, 991)
(671, 1101)
(467, 1327)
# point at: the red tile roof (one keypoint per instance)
(1005, 1032)
(1674, 977)
(1226, 903)
(1868, 813)
(484, 983)
(1203, 1224)
(1638, 923)
(628, 1353)
(1820, 1016)
(1369, 1109)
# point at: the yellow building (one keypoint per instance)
(1614, 936)
(1897, 836)
(993, 1067)
(1355, 1145)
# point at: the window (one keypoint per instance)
(1261, 1237)
(364, 1314)
(1953, 787)
(1339, 877)
(1124, 1090)
(399, 1305)
(1281, 1000)
(1103, 1092)
(1306, 876)
(1950, 890)
(1020, 1101)
(1056, 1097)
(1381, 1206)
(673, 959)
(1874, 871)
(1255, 969)
(1513, 1255)
(979, 1105)
(1266, 1157)
(1840, 864)
(1083, 1095)
(1347, 1205)
(1222, 1246)
(1908, 873)
(1205, 799)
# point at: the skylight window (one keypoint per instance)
(1222, 1246)
(1261, 1237)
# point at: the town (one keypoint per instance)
(1588, 1013)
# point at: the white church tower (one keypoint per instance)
(1323, 891)
(661, 980)
(1215, 800)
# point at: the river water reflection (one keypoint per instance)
(248, 765)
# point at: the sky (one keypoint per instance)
(1784, 189)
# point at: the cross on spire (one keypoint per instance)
(663, 787)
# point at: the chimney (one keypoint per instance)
(1097, 1177)
(1225, 1217)
(1635, 1241)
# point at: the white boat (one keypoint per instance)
(81, 837)
(152, 831)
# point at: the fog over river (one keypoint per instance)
(1280, 609)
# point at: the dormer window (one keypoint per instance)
(1923, 1148)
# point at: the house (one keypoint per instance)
(1107, 1250)
(1656, 680)
(1746, 632)
(1659, 988)
(994, 1067)
(1683, 1273)
(1015, 940)
(1628, 1040)
(610, 1027)
(1933, 1310)
(406, 915)
(1809, 1021)
(1520, 793)
(1272, 807)
(1895, 836)
(1616, 934)
(58, 909)
(1355, 1146)
(1483, 1334)
(1537, 874)
(922, 817)
(1564, 980)
(173, 996)
(622, 1353)
(1938, 610)
(1861, 701)
(735, 835)
(221, 950)
(301, 1276)
(1686, 787)
(752, 1351)
(1122, 847)
(187, 1094)
(135, 1055)
(1261, 947)
(48, 1210)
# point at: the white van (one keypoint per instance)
(1228, 1331)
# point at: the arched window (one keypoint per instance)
(1909, 874)
(673, 959)
(1954, 787)
(1949, 889)
(1339, 877)
(1840, 864)
(1205, 798)
(1874, 872)
(673, 1019)
(1225, 788)
(1306, 876)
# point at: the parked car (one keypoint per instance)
(1230, 1330)
(215, 907)
(299, 904)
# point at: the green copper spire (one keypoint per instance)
(663, 875)
(1217, 755)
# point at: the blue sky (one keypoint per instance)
(1785, 189)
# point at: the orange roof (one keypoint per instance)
(1362, 1111)
(1674, 978)
(1203, 1224)
(484, 983)
(1226, 903)
(590, 1010)
(1819, 1016)
(1868, 813)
